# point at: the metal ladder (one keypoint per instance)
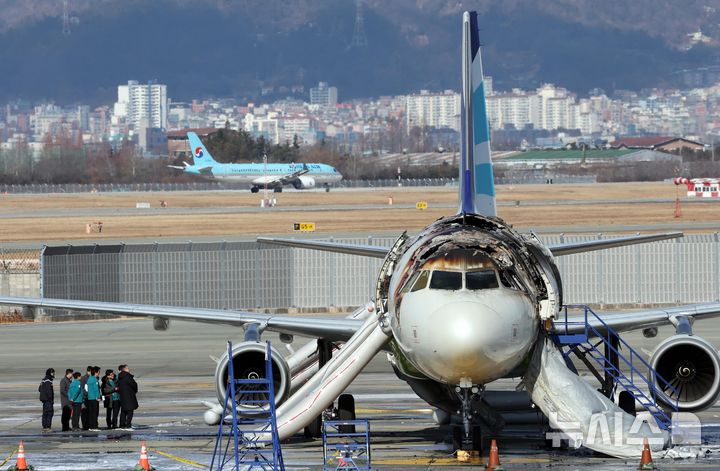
(254, 437)
(577, 337)
(345, 450)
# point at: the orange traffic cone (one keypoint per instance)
(494, 458)
(646, 461)
(21, 464)
(144, 464)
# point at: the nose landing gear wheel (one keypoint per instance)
(346, 411)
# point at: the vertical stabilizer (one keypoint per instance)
(477, 188)
(201, 156)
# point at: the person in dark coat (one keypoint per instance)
(127, 390)
(65, 401)
(47, 397)
(111, 399)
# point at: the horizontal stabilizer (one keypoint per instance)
(364, 250)
(580, 247)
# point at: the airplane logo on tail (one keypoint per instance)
(199, 152)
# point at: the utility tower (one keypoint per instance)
(359, 39)
(67, 20)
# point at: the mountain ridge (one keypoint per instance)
(225, 48)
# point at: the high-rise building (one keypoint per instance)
(137, 101)
(438, 110)
(323, 95)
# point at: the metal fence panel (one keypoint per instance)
(246, 275)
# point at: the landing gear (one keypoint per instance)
(327, 188)
(468, 436)
(626, 401)
(314, 429)
(477, 438)
(346, 411)
(254, 189)
(277, 189)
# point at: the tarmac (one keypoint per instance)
(174, 371)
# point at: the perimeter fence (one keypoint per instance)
(248, 275)
(41, 188)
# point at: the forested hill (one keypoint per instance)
(204, 48)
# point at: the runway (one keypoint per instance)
(174, 372)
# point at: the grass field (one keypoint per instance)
(155, 224)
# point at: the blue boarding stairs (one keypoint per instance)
(248, 441)
(614, 362)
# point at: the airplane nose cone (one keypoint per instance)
(470, 340)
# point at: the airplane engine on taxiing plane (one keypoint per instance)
(304, 182)
(692, 366)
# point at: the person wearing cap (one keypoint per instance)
(47, 398)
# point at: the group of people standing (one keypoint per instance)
(81, 395)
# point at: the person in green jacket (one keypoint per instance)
(76, 397)
(94, 396)
(111, 398)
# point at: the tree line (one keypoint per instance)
(66, 160)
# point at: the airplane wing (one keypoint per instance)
(281, 180)
(351, 249)
(320, 327)
(287, 179)
(636, 320)
(580, 247)
(557, 250)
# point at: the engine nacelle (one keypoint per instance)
(249, 363)
(692, 366)
(304, 182)
(161, 323)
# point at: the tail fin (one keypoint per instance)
(477, 188)
(201, 156)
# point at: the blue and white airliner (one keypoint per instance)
(302, 176)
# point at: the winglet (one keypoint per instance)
(477, 188)
(200, 154)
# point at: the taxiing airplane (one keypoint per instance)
(272, 176)
(464, 303)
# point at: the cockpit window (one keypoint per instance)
(481, 279)
(422, 281)
(449, 280)
(410, 282)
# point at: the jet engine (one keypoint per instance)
(304, 182)
(249, 363)
(161, 323)
(692, 366)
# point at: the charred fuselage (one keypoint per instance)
(466, 298)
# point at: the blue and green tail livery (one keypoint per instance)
(477, 188)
